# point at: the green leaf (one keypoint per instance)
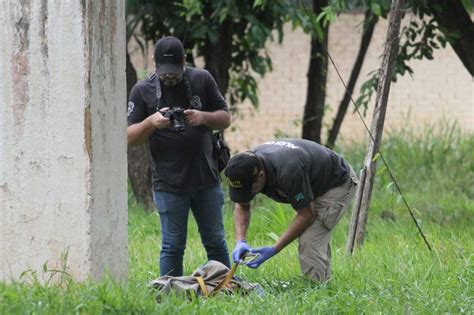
(389, 186)
(467, 4)
(398, 199)
(319, 31)
(376, 157)
(376, 8)
(258, 3)
(273, 236)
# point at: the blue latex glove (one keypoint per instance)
(265, 254)
(241, 248)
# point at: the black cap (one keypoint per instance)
(169, 55)
(240, 172)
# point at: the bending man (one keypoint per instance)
(317, 182)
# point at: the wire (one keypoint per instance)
(377, 149)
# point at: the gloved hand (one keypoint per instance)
(265, 254)
(241, 248)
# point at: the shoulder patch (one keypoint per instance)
(131, 106)
(299, 196)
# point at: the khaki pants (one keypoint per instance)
(314, 243)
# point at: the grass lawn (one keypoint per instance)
(393, 272)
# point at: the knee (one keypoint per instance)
(215, 242)
(317, 274)
(175, 246)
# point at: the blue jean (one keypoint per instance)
(173, 209)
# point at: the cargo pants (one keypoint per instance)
(314, 243)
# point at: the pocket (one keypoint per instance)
(331, 215)
(353, 177)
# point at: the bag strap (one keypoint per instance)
(158, 92)
(204, 291)
(187, 89)
(226, 280)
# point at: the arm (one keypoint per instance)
(216, 115)
(300, 196)
(140, 124)
(219, 119)
(140, 132)
(303, 219)
(241, 220)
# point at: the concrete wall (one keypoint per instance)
(63, 176)
(439, 88)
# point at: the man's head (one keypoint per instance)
(245, 175)
(169, 60)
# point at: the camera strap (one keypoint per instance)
(158, 92)
(192, 99)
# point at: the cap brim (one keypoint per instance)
(169, 68)
(240, 194)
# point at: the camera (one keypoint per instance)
(176, 116)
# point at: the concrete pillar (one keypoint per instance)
(63, 170)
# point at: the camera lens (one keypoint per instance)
(178, 124)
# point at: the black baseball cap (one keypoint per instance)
(169, 55)
(240, 172)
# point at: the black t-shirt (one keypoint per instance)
(182, 161)
(299, 170)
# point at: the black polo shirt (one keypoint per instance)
(298, 171)
(182, 161)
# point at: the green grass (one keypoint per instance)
(392, 273)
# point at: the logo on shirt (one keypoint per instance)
(299, 196)
(131, 106)
(282, 144)
(235, 183)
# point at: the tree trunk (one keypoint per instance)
(367, 32)
(138, 156)
(217, 56)
(364, 191)
(452, 18)
(317, 73)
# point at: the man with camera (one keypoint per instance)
(176, 109)
(317, 182)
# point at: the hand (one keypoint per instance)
(265, 254)
(194, 117)
(241, 248)
(157, 120)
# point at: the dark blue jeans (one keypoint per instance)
(173, 209)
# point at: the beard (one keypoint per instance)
(172, 82)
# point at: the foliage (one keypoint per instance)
(252, 23)
(418, 39)
(311, 23)
(392, 273)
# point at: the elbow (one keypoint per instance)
(132, 138)
(130, 141)
(226, 125)
(226, 121)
